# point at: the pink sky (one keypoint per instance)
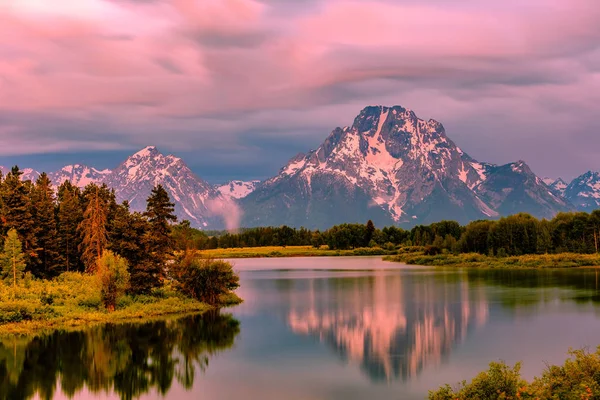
(191, 74)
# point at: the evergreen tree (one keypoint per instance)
(126, 235)
(44, 214)
(158, 242)
(17, 206)
(93, 228)
(13, 259)
(369, 233)
(70, 215)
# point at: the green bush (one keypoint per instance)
(578, 378)
(114, 278)
(206, 279)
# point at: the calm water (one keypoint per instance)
(322, 328)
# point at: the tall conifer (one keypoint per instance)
(93, 228)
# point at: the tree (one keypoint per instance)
(17, 207)
(126, 235)
(158, 242)
(70, 215)
(46, 233)
(93, 228)
(369, 233)
(114, 278)
(13, 259)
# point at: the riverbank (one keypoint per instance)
(473, 260)
(73, 300)
(292, 251)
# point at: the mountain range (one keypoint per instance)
(389, 166)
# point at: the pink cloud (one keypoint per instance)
(222, 67)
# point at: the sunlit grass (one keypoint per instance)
(290, 251)
(473, 260)
(73, 300)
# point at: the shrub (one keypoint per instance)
(432, 250)
(206, 279)
(499, 382)
(114, 278)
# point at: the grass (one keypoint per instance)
(73, 300)
(473, 260)
(291, 251)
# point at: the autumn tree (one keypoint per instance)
(93, 228)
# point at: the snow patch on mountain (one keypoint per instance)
(237, 189)
(79, 175)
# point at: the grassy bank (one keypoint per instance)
(73, 300)
(291, 251)
(473, 260)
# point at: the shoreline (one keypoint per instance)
(90, 319)
(479, 261)
(290, 252)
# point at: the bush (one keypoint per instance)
(578, 378)
(114, 278)
(432, 250)
(207, 280)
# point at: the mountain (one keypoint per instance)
(584, 191)
(514, 188)
(78, 175)
(392, 167)
(195, 199)
(237, 189)
(28, 173)
(557, 185)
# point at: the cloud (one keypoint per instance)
(252, 76)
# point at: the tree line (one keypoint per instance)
(513, 235)
(46, 231)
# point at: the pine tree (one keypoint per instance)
(126, 235)
(93, 228)
(13, 259)
(17, 204)
(369, 233)
(44, 214)
(70, 215)
(157, 240)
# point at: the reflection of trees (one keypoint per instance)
(391, 325)
(128, 359)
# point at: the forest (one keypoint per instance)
(52, 237)
(515, 235)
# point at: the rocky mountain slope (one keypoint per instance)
(392, 167)
(584, 191)
(557, 185)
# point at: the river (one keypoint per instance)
(322, 328)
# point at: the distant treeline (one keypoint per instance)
(514, 235)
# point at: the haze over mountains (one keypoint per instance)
(388, 166)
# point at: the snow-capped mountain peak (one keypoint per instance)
(584, 191)
(400, 165)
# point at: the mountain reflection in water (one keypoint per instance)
(126, 359)
(391, 325)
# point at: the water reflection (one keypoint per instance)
(391, 325)
(126, 359)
